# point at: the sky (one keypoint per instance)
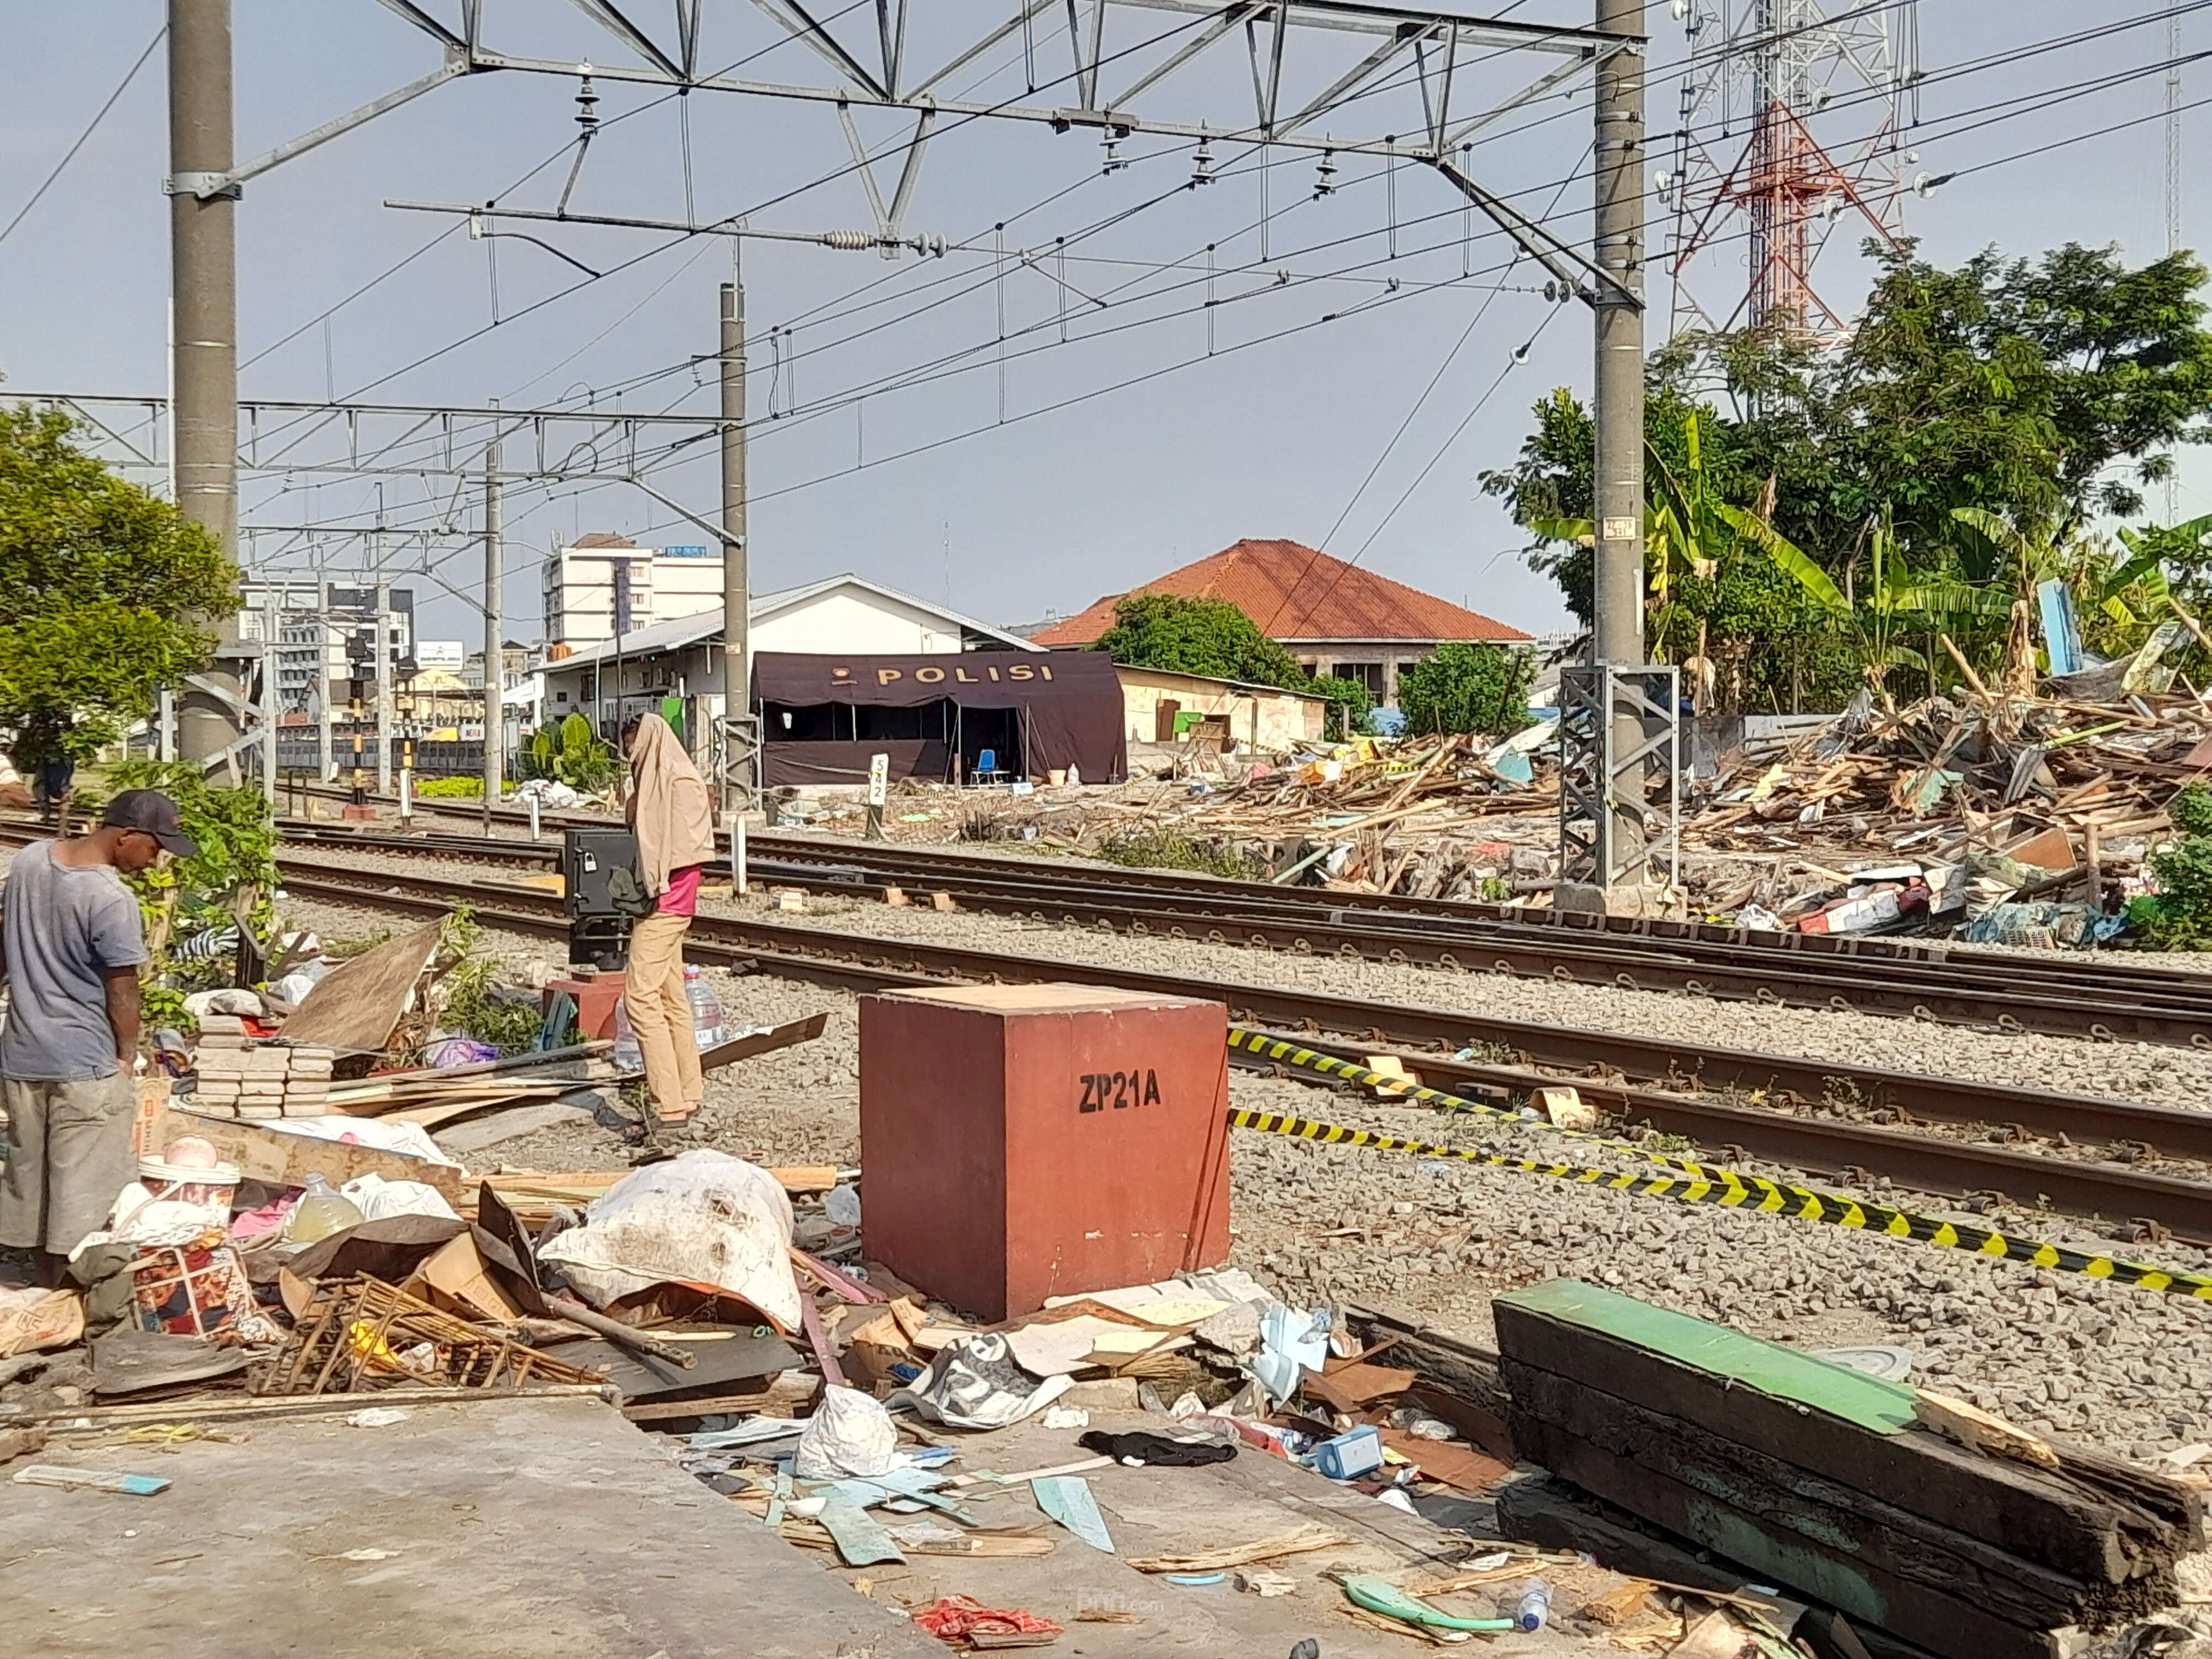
(1346, 384)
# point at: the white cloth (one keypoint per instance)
(379, 1200)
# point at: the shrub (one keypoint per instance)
(1467, 688)
(1153, 847)
(2181, 917)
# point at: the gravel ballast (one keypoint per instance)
(2106, 1365)
(2133, 1071)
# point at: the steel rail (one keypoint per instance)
(2115, 1194)
(2070, 997)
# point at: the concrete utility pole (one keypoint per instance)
(326, 767)
(494, 662)
(1617, 410)
(738, 779)
(1617, 415)
(382, 663)
(204, 321)
(272, 701)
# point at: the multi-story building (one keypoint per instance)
(603, 585)
(326, 638)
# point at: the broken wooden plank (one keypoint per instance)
(279, 1158)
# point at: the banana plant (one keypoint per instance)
(2144, 570)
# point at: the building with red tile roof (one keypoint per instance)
(1335, 617)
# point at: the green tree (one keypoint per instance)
(1196, 636)
(2043, 392)
(105, 587)
(1467, 688)
(1351, 707)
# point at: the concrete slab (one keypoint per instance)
(527, 1527)
(515, 1527)
(1162, 1511)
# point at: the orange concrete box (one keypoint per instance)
(595, 999)
(1024, 1142)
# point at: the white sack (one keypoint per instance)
(704, 1218)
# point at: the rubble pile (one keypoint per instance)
(1882, 819)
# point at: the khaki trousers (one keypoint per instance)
(68, 1161)
(659, 1012)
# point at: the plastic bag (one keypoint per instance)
(849, 1434)
(379, 1200)
(976, 1383)
(705, 1220)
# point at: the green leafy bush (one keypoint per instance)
(1467, 688)
(449, 788)
(1185, 635)
(1351, 708)
(567, 752)
(2180, 919)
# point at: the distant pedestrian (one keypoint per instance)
(42, 757)
(70, 946)
(675, 829)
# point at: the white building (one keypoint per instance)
(682, 659)
(602, 585)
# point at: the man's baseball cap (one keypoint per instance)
(151, 811)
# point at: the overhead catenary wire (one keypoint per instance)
(1156, 374)
(90, 127)
(872, 388)
(1959, 173)
(2040, 98)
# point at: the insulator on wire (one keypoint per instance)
(849, 238)
(1114, 162)
(1204, 175)
(587, 120)
(1325, 178)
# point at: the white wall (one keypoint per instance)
(685, 587)
(854, 621)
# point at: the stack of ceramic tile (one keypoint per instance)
(240, 1078)
(307, 1082)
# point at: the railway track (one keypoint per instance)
(2071, 995)
(2118, 1194)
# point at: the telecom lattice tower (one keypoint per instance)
(1755, 195)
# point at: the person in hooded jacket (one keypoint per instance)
(669, 814)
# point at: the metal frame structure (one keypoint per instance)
(1760, 70)
(488, 446)
(1116, 87)
(1392, 82)
(1619, 729)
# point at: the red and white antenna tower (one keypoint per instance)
(1754, 193)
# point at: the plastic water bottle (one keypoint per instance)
(627, 1057)
(321, 1210)
(1535, 1609)
(706, 1007)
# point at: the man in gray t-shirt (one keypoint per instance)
(70, 944)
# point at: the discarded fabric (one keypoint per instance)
(1140, 1450)
(975, 1383)
(955, 1618)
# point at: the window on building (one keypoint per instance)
(1369, 674)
